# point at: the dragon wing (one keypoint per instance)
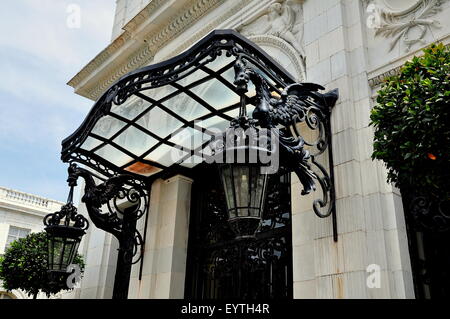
(292, 102)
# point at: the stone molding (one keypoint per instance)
(286, 48)
(116, 44)
(192, 11)
(210, 26)
(378, 79)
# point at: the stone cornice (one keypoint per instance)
(210, 26)
(118, 43)
(92, 81)
(377, 78)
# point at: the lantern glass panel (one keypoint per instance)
(61, 252)
(241, 184)
(258, 190)
(227, 181)
(244, 187)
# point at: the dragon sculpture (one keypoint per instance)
(298, 102)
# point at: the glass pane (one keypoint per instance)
(159, 93)
(130, 108)
(262, 185)
(135, 141)
(241, 182)
(113, 155)
(69, 251)
(166, 155)
(90, 143)
(10, 240)
(58, 246)
(215, 124)
(255, 187)
(192, 161)
(216, 94)
(159, 122)
(190, 138)
(195, 76)
(220, 62)
(23, 232)
(107, 126)
(51, 252)
(13, 231)
(233, 113)
(185, 107)
(228, 188)
(229, 75)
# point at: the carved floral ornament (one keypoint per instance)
(403, 20)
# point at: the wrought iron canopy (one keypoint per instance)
(162, 119)
(173, 104)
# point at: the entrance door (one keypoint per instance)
(220, 267)
(428, 226)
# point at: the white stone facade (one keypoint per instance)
(336, 43)
(22, 211)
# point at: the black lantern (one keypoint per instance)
(65, 229)
(245, 190)
(244, 176)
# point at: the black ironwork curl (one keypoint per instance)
(125, 197)
(432, 214)
(298, 103)
(68, 214)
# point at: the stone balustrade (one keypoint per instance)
(11, 195)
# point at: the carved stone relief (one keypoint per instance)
(283, 53)
(282, 20)
(403, 20)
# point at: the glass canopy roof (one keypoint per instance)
(160, 118)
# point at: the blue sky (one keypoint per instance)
(39, 53)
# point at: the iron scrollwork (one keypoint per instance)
(69, 214)
(222, 266)
(298, 103)
(431, 214)
(126, 200)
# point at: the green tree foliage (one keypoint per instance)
(412, 124)
(24, 266)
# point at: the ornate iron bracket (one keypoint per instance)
(127, 200)
(298, 103)
(125, 197)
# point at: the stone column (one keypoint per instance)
(164, 267)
